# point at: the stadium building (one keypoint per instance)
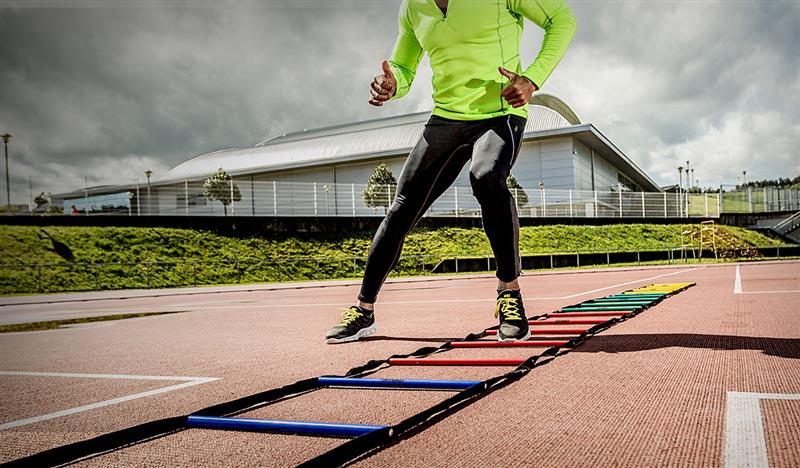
(323, 171)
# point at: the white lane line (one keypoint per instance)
(745, 444)
(105, 376)
(737, 287)
(438, 301)
(771, 292)
(737, 282)
(634, 281)
(188, 382)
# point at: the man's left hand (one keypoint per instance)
(519, 89)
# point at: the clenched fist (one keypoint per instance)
(519, 90)
(383, 86)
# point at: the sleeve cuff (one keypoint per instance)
(402, 82)
(534, 78)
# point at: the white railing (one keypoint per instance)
(760, 200)
(347, 200)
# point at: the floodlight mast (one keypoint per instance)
(5, 138)
(680, 190)
(148, 173)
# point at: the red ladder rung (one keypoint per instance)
(588, 314)
(454, 362)
(554, 331)
(568, 322)
(507, 344)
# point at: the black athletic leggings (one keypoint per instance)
(433, 165)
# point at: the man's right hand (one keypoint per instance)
(383, 86)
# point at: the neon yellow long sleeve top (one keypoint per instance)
(466, 46)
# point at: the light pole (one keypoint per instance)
(5, 138)
(148, 173)
(686, 193)
(749, 192)
(688, 179)
(86, 195)
(680, 189)
(326, 188)
(138, 198)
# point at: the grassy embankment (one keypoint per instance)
(163, 257)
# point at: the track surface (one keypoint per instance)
(651, 391)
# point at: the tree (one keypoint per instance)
(221, 187)
(41, 200)
(379, 189)
(519, 193)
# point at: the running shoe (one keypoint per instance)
(356, 323)
(513, 323)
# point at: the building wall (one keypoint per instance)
(550, 162)
(605, 176)
(583, 166)
(546, 161)
(296, 190)
(359, 173)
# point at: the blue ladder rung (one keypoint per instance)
(291, 427)
(398, 383)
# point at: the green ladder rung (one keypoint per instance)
(580, 308)
(618, 303)
(630, 299)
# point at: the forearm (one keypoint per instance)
(558, 22)
(404, 79)
(406, 55)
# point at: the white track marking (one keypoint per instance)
(745, 444)
(526, 298)
(772, 292)
(437, 301)
(737, 282)
(632, 282)
(737, 287)
(188, 382)
(105, 376)
(272, 287)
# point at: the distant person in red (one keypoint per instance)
(74, 211)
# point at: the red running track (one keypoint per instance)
(662, 376)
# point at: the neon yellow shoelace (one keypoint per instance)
(509, 307)
(350, 315)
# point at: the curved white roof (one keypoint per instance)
(351, 142)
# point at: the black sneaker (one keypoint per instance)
(513, 323)
(356, 323)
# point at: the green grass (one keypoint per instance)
(55, 324)
(165, 257)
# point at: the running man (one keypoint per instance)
(481, 94)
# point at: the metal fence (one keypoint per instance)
(760, 200)
(258, 198)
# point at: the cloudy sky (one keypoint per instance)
(99, 92)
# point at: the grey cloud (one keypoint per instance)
(111, 91)
(682, 74)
